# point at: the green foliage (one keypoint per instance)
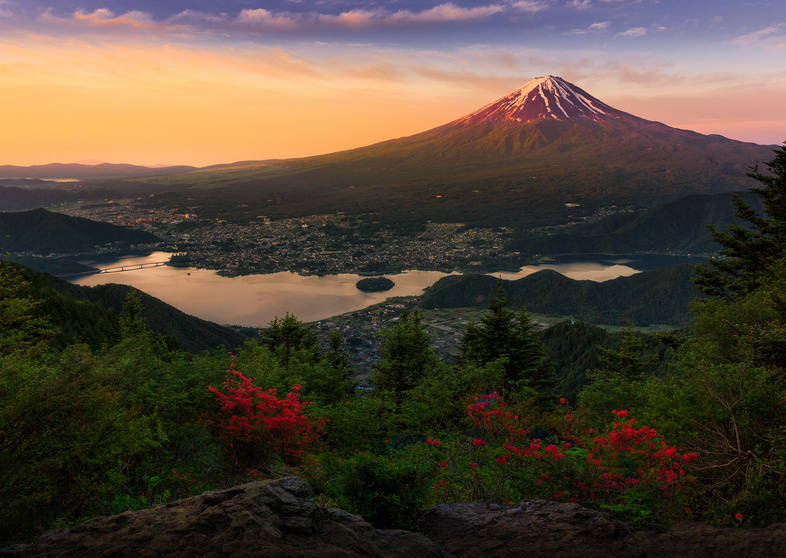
(387, 490)
(750, 249)
(405, 355)
(67, 441)
(287, 335)
(503, 334)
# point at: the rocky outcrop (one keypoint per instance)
(531, 528)
(274, 518)
(539, 528)
(279, 519)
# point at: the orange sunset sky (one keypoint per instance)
(122, 82)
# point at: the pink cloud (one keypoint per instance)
(261, 19)
(768, 37)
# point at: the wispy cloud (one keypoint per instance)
(768, 37)
(633, 32)
(264, 20)
(5, 8)
(597, 27)
(530, 6)
(579, 4)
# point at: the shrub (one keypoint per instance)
(256, 424)
(630, 469)
(387, 491)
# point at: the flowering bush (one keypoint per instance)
(629, 469)
(255, 423)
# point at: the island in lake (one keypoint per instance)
(375, 284)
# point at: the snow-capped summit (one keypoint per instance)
(544, 98)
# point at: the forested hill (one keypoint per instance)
(661, 296)
(90, 314)
(679, 226)
(43, 231)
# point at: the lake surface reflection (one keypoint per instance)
(254, 300)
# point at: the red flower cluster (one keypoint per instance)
(489, 415)
(628, 464)
(254, 416)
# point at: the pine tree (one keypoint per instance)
(749, 252)
(287, 335)
(627, 361)
(132, 321)
(504, 333)
(406, 355)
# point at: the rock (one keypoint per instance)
(539, 528)
(275, 518)
(531, 528)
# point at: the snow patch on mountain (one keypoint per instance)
(544, 98)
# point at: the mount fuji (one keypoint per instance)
(545, 153)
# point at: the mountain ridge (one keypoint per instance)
(496, 171)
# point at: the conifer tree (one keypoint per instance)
(504, 333)
(748, 252)
(287, 335)
(406, 354)
(627, 361)
(132, 322)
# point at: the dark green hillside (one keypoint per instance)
(47, 232)
(678, 226)
(89, 314)
(660, 296)
(54, 266)
(192, 334)
(575, 348)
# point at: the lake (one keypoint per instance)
(254, 300)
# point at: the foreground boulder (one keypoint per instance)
(539, 528)
(274, 518)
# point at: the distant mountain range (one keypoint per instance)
(45, 232)
(660, 296)
(87, 171)
(517, 161)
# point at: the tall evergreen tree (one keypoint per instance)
(504, 333)
(287, 335)
(628, 361)
(749, 251)
(132, 320)
(406, 354)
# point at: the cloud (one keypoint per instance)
(768, 37)
(530, 6)
(263, 20)
(597, 27)
(105, 19)
(447, 12)
(633, 32)
(5, 9)
(579, 4)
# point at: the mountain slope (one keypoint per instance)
(679, 226)
(89, 314)
(515, 161)
(48, 232)
(661, 296)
